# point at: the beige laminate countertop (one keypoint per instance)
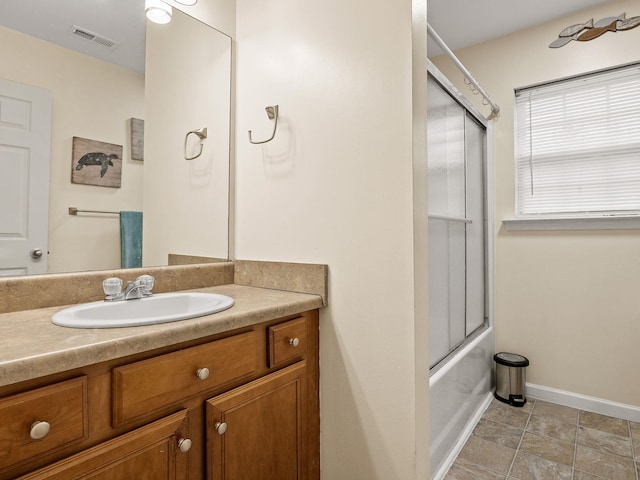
(31, 346)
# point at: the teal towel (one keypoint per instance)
(130, 239)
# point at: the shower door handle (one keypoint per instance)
(450, 219)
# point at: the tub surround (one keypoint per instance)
(34, 347)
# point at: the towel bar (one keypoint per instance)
(75, 211)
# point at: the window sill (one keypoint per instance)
(619, 222)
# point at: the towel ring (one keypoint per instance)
(201, 134)
(272, 113)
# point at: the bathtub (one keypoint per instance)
(459, 391)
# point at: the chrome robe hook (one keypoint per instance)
(272, 113)
(201, 133)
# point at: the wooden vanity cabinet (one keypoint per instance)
(43, 420)
(152, 384)
(257, 431)
(147, 453)
(241, 405)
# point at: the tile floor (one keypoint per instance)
(545, 441)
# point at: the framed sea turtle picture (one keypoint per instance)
(96, 163)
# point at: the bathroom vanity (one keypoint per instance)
(233, 395)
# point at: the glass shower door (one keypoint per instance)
(475, 139)
(456, 223)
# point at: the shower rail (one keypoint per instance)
(495, 109)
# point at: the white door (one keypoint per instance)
(25, 150)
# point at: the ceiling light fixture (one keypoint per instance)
(157, 11)
(187, 2)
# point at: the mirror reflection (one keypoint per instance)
(94, 91)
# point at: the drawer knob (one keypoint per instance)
(294, 342)
(184, 444)
(202, 373)
(39, 430)
(220, 427)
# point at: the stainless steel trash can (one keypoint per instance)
(511, 378)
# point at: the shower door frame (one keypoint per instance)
(460, 385)
(471, 110)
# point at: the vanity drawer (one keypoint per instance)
(287, 342)
(142, 387)
(63, 406)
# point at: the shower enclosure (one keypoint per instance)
(460, 335)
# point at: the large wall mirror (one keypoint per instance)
(176, 78)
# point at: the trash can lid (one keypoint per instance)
(511, 359)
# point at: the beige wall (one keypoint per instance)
(91, 99)
(567, 300)
(335, 187)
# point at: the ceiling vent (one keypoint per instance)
(94, 37)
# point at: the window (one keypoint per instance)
(578, 145)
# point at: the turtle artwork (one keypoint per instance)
(97, 158)
(96, 163)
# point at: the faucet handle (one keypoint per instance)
(112, 286)
(146, 282)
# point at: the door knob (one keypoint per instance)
(35, 253)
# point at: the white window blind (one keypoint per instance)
(578, 145)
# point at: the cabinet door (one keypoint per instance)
(257, 431)
(148, 453)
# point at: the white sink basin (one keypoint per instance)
(160, 308)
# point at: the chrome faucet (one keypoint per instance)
(139, 288)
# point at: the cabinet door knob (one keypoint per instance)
(184, 444)
(39, 430)
(294, 342)
(202, 373)
(220, 427)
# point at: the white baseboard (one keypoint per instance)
(584, 402)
